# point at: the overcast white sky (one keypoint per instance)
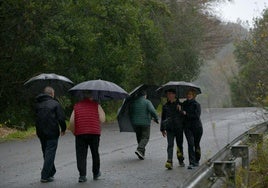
(245, 10)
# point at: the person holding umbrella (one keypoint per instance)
(85, 124)
(49, 115)
(192, 127)
(172, 127)
(141, 112)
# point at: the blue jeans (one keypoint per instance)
(49, 148)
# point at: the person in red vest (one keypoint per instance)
(85, 123)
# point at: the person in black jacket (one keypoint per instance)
(172, 127)
(192, 127)
(49, 115)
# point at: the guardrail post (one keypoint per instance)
(258, 139)
(243, 152)
(225, 169)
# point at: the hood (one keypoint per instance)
(42, 97)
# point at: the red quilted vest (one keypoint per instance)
(86, 118)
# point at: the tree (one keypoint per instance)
(250, 86)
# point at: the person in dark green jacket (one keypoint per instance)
(141, 113)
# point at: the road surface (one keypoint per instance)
(21, 161)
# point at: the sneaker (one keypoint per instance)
(52, 177)
(95, 177)
(190, 166)
(182, 164)
(82, 179)
(193, 165)
(169, 165)
(139, 154)
(46, 180)
(196, 164)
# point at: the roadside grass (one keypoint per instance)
(258, 169)
(8, 134)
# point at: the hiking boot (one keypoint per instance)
(179, 155)
(169, 165)
(82, 179)
(139, 154)
(95, 177)
(46, 180)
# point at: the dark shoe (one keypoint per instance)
(182, 164)
(95, 177)
(193, 165)
(82, 179)
(50, 179)
(139, 154)
(169, 165)
(190, 167)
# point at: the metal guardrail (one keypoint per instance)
(222, 164)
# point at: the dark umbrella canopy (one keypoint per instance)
(181, 88)
(100, 90)
(123, 113)
(59, 83)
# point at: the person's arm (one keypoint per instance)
(61, 118)
(153, 111)
(101, 114)
(163, 118)
(71, 127)
(194, 112)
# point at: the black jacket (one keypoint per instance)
(49, 115)
(171, 118)
(193, 112)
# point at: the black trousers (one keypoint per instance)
(49, 148)
(178, 136)
(81, 145)
(193, 136)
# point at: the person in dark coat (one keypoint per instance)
(172, 127)
(141, 113)
(49, 116)
(192, 127)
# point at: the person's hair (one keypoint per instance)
(87, 94)
(142, 93)
(49, 90)
(170, 91)
(193, 91)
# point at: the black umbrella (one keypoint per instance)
(123, 113)
(59, 83)
(100, 90)
(181, 88)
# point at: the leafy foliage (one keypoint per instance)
(250, 86)
(128, 42)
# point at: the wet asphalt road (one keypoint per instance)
(21, 161)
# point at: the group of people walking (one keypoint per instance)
(177, 118)
(85, 120)
(87, 115)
